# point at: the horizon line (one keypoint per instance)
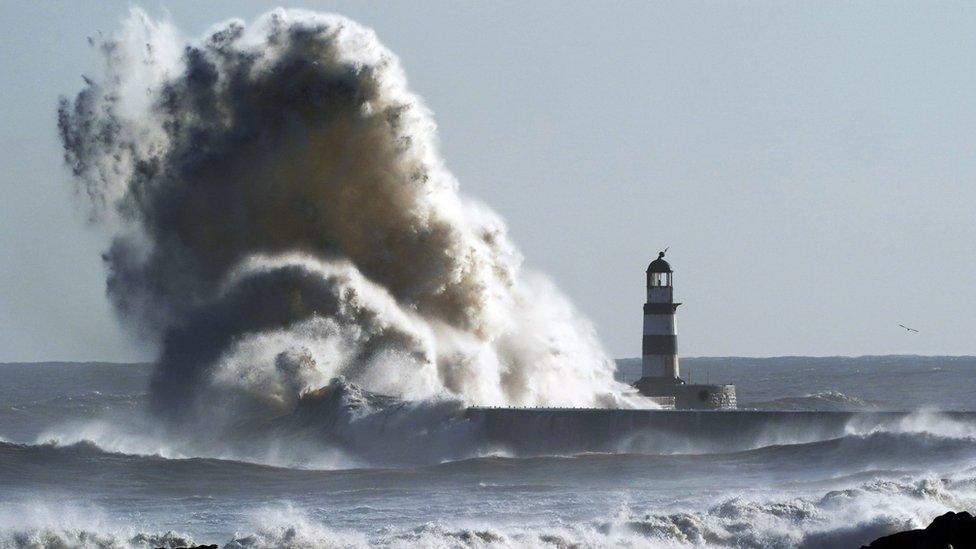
(729, 357)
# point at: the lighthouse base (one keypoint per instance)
(687, 396)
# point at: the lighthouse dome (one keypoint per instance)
(659, 265)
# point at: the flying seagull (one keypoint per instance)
(909, 329)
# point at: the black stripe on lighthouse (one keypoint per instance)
(660, 308)
(659, 345)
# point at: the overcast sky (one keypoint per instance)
(811, 166)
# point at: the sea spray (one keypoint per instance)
(281, 216)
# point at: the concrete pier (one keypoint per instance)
(538, 431)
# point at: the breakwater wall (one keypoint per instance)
(543, 431)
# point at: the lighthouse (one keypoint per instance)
(659, 347)
(660, 374)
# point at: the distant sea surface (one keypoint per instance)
(79, 467)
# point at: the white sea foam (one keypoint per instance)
(925, 421)
(40, 523)
(839, 518)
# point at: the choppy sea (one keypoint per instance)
(81, 467)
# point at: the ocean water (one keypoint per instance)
(881, 447)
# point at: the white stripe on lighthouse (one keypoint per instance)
(659, 366)
(659, 325)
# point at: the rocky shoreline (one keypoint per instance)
(949, 531)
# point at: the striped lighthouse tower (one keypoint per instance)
(659, 349)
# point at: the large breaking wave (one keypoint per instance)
(281, 217)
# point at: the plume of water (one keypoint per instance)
(280, 216)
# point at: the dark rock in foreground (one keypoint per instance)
(955, 530)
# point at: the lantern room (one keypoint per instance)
(659, 280)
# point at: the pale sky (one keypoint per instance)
(811, 165)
